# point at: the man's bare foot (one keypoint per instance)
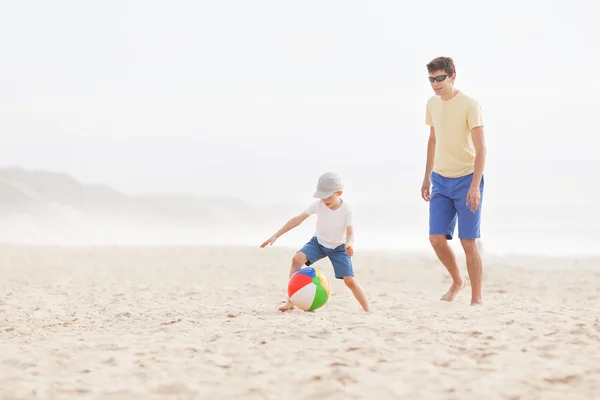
(287, 306)
(453, 291)
(477, 302)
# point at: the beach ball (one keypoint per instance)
(308, 289)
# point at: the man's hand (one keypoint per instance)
(425, 189)
(269, 241)
(473, 198)
(350, 250)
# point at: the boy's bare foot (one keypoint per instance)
(287, 306)
(453, 291)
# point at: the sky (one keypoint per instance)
(257, 99)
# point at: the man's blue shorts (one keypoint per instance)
(448, 201)
(341, 261)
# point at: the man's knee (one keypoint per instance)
(299, 260)
(469, 245)
(438, 240)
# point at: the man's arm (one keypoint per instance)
(479, 143)
(474, 196)
(425, 188)
(430, 152)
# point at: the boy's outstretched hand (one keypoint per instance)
(350, 250)
(269, 241)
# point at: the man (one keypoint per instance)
(454, 171)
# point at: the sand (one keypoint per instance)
(201, 323)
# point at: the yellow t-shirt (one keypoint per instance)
(453, 120)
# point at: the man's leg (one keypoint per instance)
(469, 224)
(446, 256)
(475, 269)
(442, 221)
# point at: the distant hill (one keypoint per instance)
(44, 207)
(37, 193)
(47, 207)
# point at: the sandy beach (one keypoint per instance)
(202, 323)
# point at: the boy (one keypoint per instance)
(334, 236)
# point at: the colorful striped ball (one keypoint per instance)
(308, 289)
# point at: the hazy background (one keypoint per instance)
(210, 121)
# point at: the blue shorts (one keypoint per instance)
(448, 201)
(341, 261)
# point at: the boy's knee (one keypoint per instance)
(299, 260)
(350, 282)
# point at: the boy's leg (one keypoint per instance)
(357, 290)
(342, 267)
(442, 221)
(469, 224)
(310, 253)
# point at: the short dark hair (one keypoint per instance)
(445, 63)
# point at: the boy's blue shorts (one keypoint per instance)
(341, 261)
(448, 201)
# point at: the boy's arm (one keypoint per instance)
(350, 240)
(350, 236)
(291, 224)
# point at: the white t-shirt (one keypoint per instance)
(331, 224)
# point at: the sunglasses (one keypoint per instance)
(439, 78)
